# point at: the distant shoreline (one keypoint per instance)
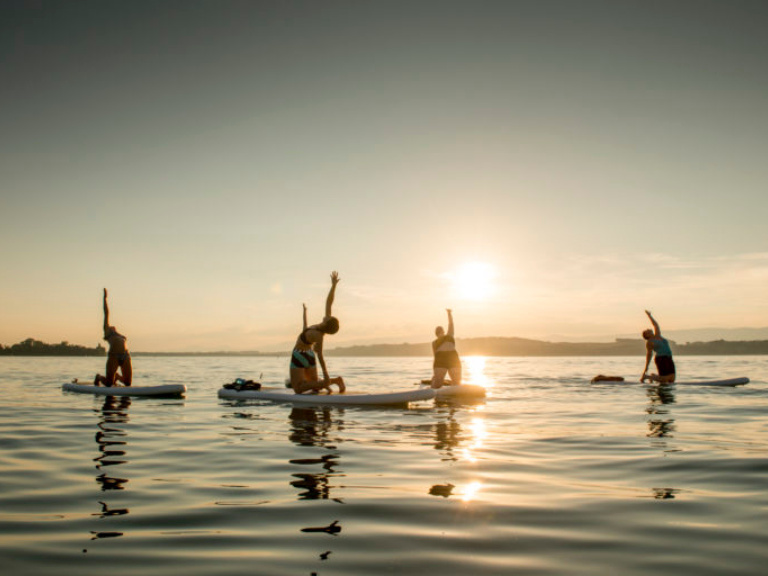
(495, 347)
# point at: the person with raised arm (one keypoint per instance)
(308, 350)
(118, 356)
(446, 358)
(658, 345)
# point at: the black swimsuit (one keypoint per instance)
(448, 358)
(122, 357)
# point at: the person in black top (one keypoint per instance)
(446, 358)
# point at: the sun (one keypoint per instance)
(474, 280)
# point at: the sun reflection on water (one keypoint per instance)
(478, 434)
(475, 372)
(471, 490)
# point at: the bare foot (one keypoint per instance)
(342, 386)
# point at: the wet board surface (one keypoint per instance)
(723, 382)
(457, 391)
(461, 391)
(165, 390)
(283, 395)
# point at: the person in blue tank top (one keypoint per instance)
(656, 344)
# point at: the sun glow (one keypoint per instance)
(474, 280)
(478, 434)
(471, 490)
(475, 372)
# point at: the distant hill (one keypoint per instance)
(32, 347)
(500, 346)
(489, 346)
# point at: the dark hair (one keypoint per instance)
(330, 325)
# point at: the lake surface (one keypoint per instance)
(548, 475)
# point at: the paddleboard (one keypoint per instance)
(283, 395)
(457, 391)
(166, 390)
(461, 391)
(724, 382)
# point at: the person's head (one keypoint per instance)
(330, 325)
(439, 332)
(648, 334)
(111, 330)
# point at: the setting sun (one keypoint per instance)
(474, 280)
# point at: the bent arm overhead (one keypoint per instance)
(106, 314)
(331, 293)
(656, 329)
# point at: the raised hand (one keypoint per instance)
(334, 278)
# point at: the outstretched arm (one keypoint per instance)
(305, 316)
(450, 322)
(321, 360)
(106, 314)
(648, 354)
(332, 293)
(656, 329)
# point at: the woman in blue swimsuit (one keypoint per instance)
(118, 356)
(656, 344)
(310, 343)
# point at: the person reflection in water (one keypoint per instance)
(446, 358)
(111, 438)
(303, 367)
(118, 356)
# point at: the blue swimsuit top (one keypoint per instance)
(661, 347)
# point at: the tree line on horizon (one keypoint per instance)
(32, 347)
(511, 346)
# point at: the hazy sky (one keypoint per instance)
(212, 162)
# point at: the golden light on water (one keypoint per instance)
(475, 371)
(471, 490)
(478, 434)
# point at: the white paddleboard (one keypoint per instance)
(461, 391)
(283, 395)
(724, 382)
(457, 391)
(166, 390)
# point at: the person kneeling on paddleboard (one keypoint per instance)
(117, 356)
(446, 358)
(655, 343)
(309, 350)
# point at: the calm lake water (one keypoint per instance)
(548, 475)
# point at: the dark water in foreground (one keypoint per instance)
(548, 475)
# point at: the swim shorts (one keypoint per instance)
(665, 365)
(303, 359)
(448, 359)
